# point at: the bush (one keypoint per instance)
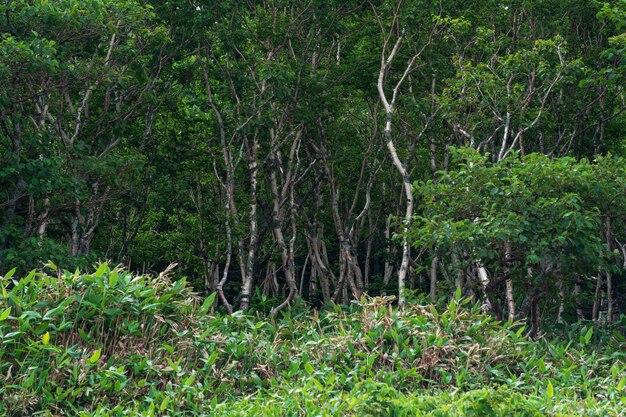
(114, 344)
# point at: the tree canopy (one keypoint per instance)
(323, 149)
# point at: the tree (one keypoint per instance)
(530, 222)
(75, 75)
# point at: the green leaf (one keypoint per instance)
(83, 335)
(293, 368)
(550, 390)
(29, 381)
(54, 312)
(308, 368)
(103, 267)
(317, 383)
(10, 274)
(208, 302)
(189, 380)
(94, 358)
(5, 314)
(164, 404)
(621, 384)
(173, 365)
(113, 278)
(211, 360)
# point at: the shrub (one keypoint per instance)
(114, 344)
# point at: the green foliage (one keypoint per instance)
(71, 338)
(111, 144)
(532, 219)
(75, 75)
(114, 344)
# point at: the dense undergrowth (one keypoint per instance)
(114, 344)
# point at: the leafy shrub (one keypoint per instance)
(114, 344)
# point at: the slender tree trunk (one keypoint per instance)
(389, 103)
(248, 278)
(534, 315)
(388, 264)
(609, 297)
(315, 239)
(595, 309)
(270, 283)
(609, 278)
(303, 273)
(579, 310)
(229, 253)
(510, 300)
(408, 214)
(279, 239)
(211, 276)
(561, 309)
(483, 278)
(368, 253)
(433, 278)
(458, 281)
(323, 271)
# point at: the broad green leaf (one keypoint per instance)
(190, 379)
(30, 380)
(113, 278)
(173, 365)
(317, 383)
(164, 404)
(10, 274)
(54, 312)
(209, 301)
(211, 359)
(309, 368)
(95, 356)
(550, 390)
(101, 269)
(5, 314)
(83, 335)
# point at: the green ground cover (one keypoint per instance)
(115, 344)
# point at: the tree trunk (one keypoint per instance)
(484, 283)
(595, 309)
(248, 277)
(579, 310)
(388, 264)
(534, 315)
(561, 309)
(285, 255)
(433, 278)
(510, 299)
(609, 280)
(386, 60)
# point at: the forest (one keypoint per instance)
(309, 207)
